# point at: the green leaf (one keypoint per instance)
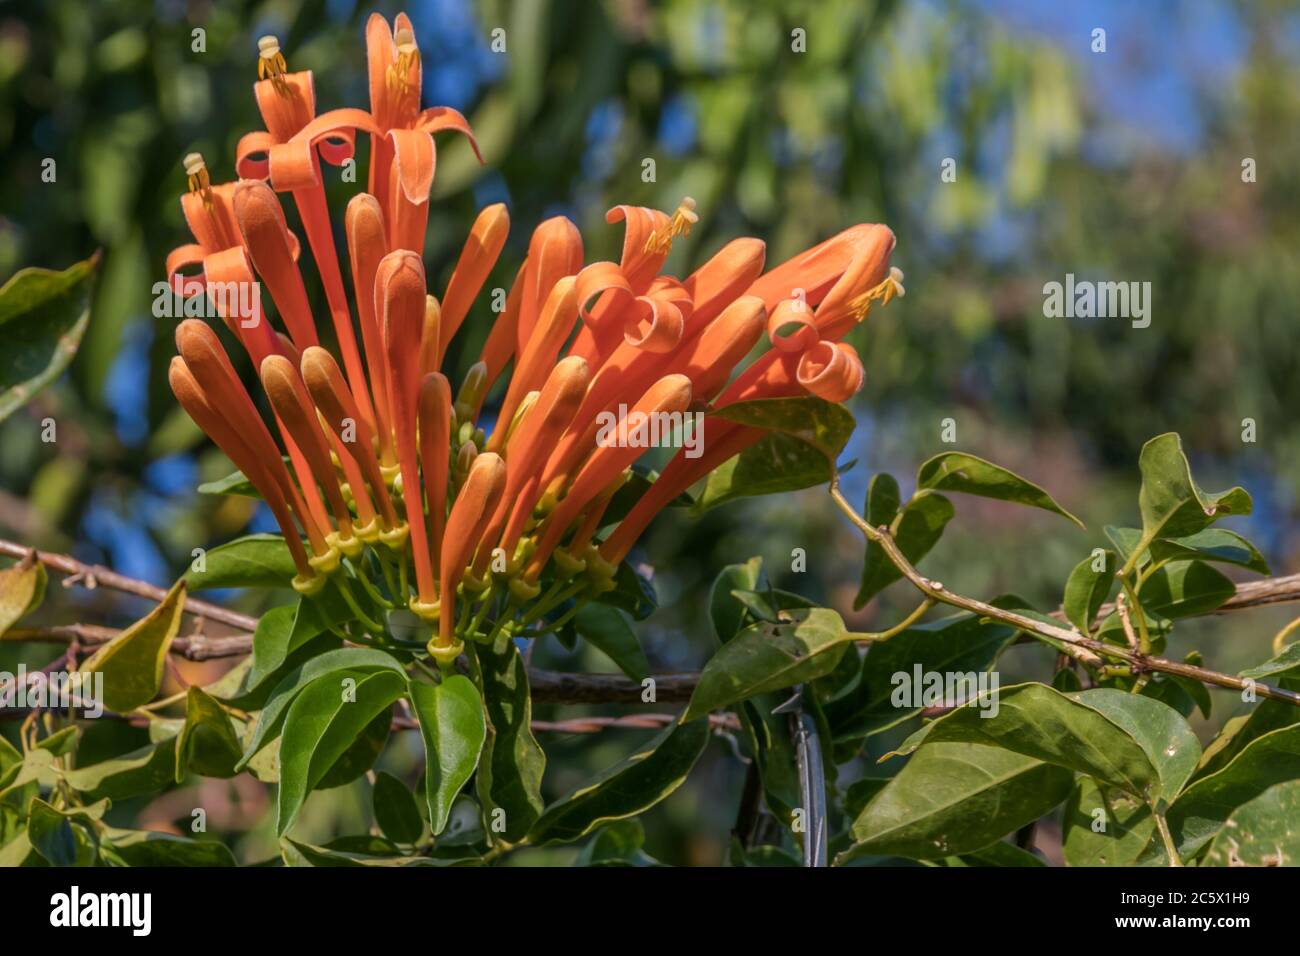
(1171, 503)
(953, 798)
(804, 437)
(1039, 722)
(305, 854)
(359, 756)
(61, 742)
(956, 471)
(1213, 544)
(132, 663)
(819, 424)
(64, 837)
(271, 719)
(1284, 663)
(396, 811)
(1129, 828)
(1162, 733)
(774, 464)
(152, 848)
(766, 657)
(284, 629)
(22, 588)
(632, 593)
(454, 730)
(509, 776)
(1087, 589)
(43, 315)
(608, 631)
(1184, 589)
(1264, 831)
(235, 483)
(1201, 810)
(150, 769)
(726, 613)
(617, 843)
(208, 744)
(630, 787)
(254, 561)
(961, 644)
(916, 529)
(321, 723)
(999, 854)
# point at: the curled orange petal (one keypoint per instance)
(831, 370)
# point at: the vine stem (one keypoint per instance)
(1082, 648)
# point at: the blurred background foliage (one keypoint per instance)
(1124, 165)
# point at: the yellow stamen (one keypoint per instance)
(408, 55)
(887, 289)
(197, 171)
(679, 225)
(270, 62)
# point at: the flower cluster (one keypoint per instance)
(386, 472)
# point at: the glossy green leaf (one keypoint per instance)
(726, 613)
(43, 316)
(454, 731)
(632, 593)
(1162, 733)
(1201, 810)
(1218, 545)
(916, 529)
(22, 588)
(305, 854)
(152, 848)
(208, 745)
(630, 787)
(254, 561)
(1264, 831)
(1087, 589)
(132, 663)
(1287, 662)
(996, 855)
(149, 769)
(956, 471)
(271, 719)
(960, 644)
(819, 424)
(282, 630)
(804, 437)
(1185, 588)
(321, 723)
(1039, 722)
(606, 629)
(766, 657)
(509, 776)
(360, 755)
(1104, 826)
(1171, 503)
(396, 810)
(953, 798)
(64, 837)
(774, 464)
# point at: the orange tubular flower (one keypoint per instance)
(435, 449)
(587, 341)
(325, 383)
(271, 486)
(399, 301)
(472, 510)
